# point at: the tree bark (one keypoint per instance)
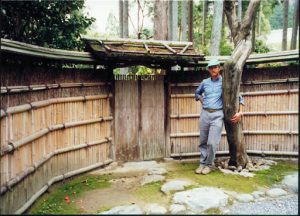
(121, 18)
(239, 10)
(285, 25)
(232, 73)
(125, 19)
(253, 34)
(184, 9)
(173, 20)
(190, 20)
(170, 20)
(160, 20)
(205, 8)
(216, 29)
(295, 25)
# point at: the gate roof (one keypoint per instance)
(151, 53)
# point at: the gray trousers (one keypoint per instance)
(211, 125)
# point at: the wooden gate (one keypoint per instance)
(139, 119)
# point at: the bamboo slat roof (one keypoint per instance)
(155, 53)
(120, 59)
(19, 48)
(288, 55)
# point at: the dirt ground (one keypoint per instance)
(120, 193)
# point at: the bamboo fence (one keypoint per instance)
(270, 119)
(50, 132)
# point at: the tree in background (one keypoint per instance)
(216, 28)
(232, 73)
(285, 25)
(295, 25)
(160, 20)
(55, 24)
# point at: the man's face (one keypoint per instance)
(214, 71)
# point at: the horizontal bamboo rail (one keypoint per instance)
(244, 93)
(17, 89)
(272, 81)
(17, 144)
(191, 154)
(182, 116)
(56, 179)
(12, 182)
(196, 134)
(38, 104)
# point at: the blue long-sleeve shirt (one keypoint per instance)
(212, 90)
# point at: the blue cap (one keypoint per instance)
(212, 62)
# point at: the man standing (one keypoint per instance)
(209, 93)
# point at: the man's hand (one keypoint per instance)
(236, 118)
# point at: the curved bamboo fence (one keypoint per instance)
(53, 126)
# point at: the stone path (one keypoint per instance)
(278, 200)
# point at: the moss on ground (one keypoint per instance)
(151, 193)
(264, 178)
(213, 211)
(55, 201)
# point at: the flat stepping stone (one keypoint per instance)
(276, 192)
(258, 194)
(124, 209)
(155, 209)
(136, 166)
(157, 171)
(242, 173)
(152, 178)
(201, 199)
(175, 185)
(244, 198)
(177, 209)
(291, 182)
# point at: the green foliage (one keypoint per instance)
(55, 202)
(276, 19)
(261, 47)
(55, 24)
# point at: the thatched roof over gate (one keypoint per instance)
(151, 53)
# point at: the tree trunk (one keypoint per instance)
(239, 10)
(121, 18)
(125, 19)
(170, 20)
(232, 73)
(184, 9)
(205, 8)
(295, 25)
(173, 20)
(216, 29)
(285, 25)
(160, 20)
(253, 34)
(125, 29)
(190, 20)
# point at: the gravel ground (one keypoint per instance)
(280, 206)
